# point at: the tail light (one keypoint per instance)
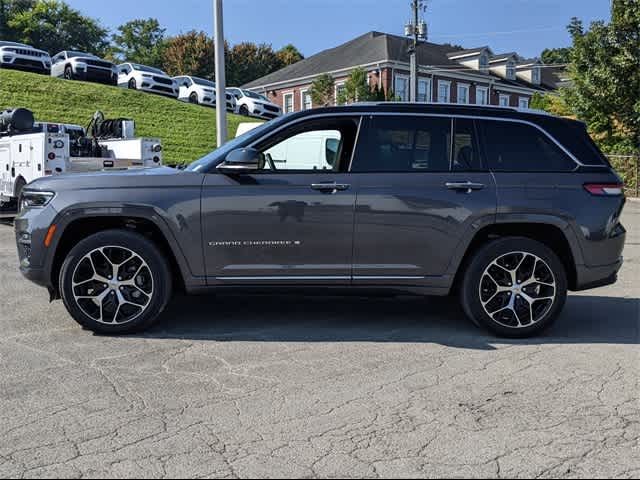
(605, 189)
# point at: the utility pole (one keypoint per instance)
(221, 99)
(417, 30)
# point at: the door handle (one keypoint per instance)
(468, 187)
(332, 187)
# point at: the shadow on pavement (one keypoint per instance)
(586, 319)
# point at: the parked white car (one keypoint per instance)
(196, 90)
(24, 57)
(148, 79)
(254, 105)
(72, 65)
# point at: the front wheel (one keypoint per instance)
(68, 73)
(244, 111)
(193, 98)
(132, 84)
(514, 287)
(115, 282)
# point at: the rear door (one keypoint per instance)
(422, 189)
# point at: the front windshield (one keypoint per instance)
(80, 54)
(12, 44)
(203, 82)
(206, 162)
(254, 95)
(144, 68)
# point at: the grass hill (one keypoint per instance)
(187, 131)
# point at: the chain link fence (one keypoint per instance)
(628, 166)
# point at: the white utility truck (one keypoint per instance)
(30, 150)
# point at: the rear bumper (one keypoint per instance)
(594, 277)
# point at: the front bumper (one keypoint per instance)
(96, 74)
(28, 64)
(35, 259)
(159, 89)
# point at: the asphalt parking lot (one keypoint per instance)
(320, 387)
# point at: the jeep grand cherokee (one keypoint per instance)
(505, 208)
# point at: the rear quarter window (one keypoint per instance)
(518, 147)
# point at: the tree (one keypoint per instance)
(191, 53)
(140, 41)
(322, 90)
(288, 55)
(8, 9)
(556, 55)
(552, 103)
(605, 75)
(247, 61)
(53, 26)
(356, 88)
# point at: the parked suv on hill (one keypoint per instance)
(254, 105)
(149, 79)
(507, 209)
(24, 57)
(72, 65)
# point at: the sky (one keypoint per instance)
(524, 26)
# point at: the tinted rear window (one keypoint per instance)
(517, 147)
(405, 144)
(574, 137)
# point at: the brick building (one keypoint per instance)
(446, 73)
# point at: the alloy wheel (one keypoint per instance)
(112, 285)
(517, 289)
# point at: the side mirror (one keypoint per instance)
(241, 160)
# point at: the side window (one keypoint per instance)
(516, 147)
(466, 153)
(318, 145)
(405, 144)
(306, 151)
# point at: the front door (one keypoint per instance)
(421, 188)
(291, 221)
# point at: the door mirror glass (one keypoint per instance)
(242, 160)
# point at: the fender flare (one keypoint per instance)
(83, 211)
(514, 218)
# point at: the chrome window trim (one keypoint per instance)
(421, 114)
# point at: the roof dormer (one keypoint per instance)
(504, 65)
(530, 70)
(474, 58)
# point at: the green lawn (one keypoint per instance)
(187, 131)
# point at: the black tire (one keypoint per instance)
(19, 186)
(244, 110)
(193, 98)
(68, 73)
(509, 324)
(158, 271)
(132, 84)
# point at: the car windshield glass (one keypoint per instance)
(144, 68)
(203, 82)
(12, 44)
(253, 95)
(80, 54)
(205, 162)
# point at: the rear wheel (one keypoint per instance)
(115, 282)
(514, 287)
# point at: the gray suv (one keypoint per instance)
(507, 209)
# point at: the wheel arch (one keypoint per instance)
(80, 227)
(553, 233)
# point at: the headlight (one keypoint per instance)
(34, 199)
